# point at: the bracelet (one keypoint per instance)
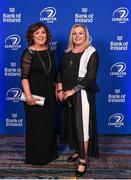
(60, 90)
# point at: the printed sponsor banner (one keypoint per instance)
(108, 25)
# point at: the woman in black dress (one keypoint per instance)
(38, 77)
(76, 89)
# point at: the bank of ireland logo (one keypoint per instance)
(11, 16)
(12, 42)
(120, 15)
(119, 44)
(116, 120)
(12, 70)
(84, 16)
(13, 94)
(14, 120)
(48, 14)
(117, 97)
(118, 69)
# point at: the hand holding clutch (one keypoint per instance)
(40, 102)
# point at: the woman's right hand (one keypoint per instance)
(31, 101)
(60, 95)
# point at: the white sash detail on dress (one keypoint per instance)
(85, 104)
(84, 60)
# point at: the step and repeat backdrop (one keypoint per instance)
(108, 22)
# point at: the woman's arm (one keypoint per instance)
(89, 81)
(26, 87)
(25, 72)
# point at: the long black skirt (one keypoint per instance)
(72, 126)
(41, 145)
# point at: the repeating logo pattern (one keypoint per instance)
(48, 15)
(119, 44)
(14, 120)
(116, 97)
(13, 94)
(118, 69)
(13, 42)
(11, 16)
(116, 120)
(84, 16)
(120, 15)
(109, 35)
(12, 71)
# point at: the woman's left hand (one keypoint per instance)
(68, 93)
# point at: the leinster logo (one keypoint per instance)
(13, 94)
(118, 69)
(13, 41)
(120, 15)
(48, 15)
(116, 120)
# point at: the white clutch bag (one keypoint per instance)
(40, 102)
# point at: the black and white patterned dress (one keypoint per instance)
(78, 71)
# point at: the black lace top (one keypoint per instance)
(33, 70)
(69, 72)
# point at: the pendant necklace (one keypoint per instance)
(42, 61)
(71, 62)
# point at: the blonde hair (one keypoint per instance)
(71, 44)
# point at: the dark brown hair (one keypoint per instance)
(34, 27)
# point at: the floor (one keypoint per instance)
(114, 161)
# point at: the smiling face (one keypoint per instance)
(78, 36)
(40, 36)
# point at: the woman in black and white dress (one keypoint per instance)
(76, 90)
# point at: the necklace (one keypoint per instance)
(42, 61)
(72, 59)
(71, 62)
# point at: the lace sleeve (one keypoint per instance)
(25, 64)
(60, 69)
(89, 81)
(59, 80)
